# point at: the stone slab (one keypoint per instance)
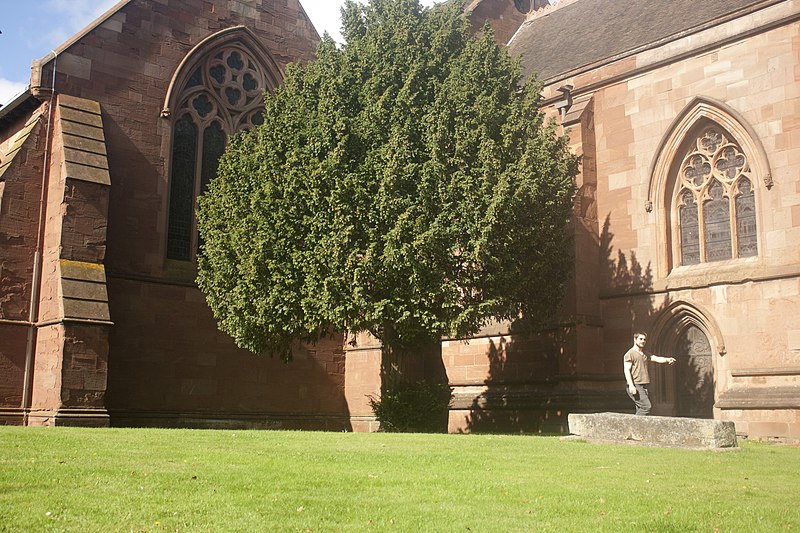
(654, 430)
(82, 271)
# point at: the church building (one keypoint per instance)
(686, 224)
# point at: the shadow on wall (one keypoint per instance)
(169, 365)
(685, 389)
(520, 393)
(618, 275)
(537, 377)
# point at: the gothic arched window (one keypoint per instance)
(222, 95)
(715, 201)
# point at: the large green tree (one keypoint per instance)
(404, 184)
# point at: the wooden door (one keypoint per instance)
(694, 375)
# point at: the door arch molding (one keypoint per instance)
(680, 314)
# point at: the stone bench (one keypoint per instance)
(653, 430)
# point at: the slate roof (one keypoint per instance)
(22, 104)
(587, 31)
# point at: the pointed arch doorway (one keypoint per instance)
(687, 388)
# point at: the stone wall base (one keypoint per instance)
(364, 424)
(95, 418)
(11, 416)
(218, 420)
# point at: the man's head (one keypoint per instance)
(639, 339)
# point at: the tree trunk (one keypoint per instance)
(413, 376)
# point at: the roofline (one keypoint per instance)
(39, 64)
(660, 63)
(303, 11)
(576, 71)
(18, 100)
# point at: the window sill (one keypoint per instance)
(732, 266)
(723, 272)
(714, 273)
(704, 275)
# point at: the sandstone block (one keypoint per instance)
(654, 430)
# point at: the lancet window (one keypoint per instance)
(222, 95)
(715, 201)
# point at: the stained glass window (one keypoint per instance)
(690, 231)
(717, 224)
(213, 146)
(746, 220)
(715, 175)
(181, 194)
(223, 95)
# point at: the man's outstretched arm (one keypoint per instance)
(659, 359)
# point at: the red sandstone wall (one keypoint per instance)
(753, 303)
(19, 213)
(20, 193)
(169, 358)
(167, 363)
(12, 368)
(47, 387)
(85, 366)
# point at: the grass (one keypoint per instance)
(70, 479)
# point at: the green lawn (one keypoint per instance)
(69, 479)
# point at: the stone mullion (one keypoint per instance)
(701, 224)
(733, 220)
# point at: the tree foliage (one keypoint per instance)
(405, 184)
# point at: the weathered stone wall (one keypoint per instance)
(21, 161)
(749, 65)
(362, 381)
(170, 365)
(21, 186)
(47, 387)
(167, 364)
(12, 369)
(506, 382)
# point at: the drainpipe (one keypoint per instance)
(33, 314)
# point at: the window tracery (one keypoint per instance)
(715, 201)
(222, 95)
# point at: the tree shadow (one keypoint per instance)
(695, 379)
(688, 385)
(536, 377)
(170, 366)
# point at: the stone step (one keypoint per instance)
(668, 431)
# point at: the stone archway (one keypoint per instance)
(687, 388)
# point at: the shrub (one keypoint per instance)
(419, 407)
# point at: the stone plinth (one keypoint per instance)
(654, 430)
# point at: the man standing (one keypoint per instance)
(637, 375)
